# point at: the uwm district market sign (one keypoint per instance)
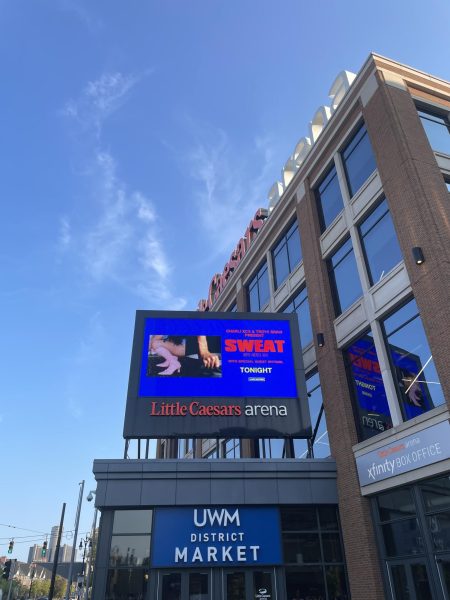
(207, 374)
(216, 536)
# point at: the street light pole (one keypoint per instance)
(74, 547)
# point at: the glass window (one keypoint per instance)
(301, 548)
(258, 290)
(171, 586)
(344, 277)
(379, 241)
(198, 586)
(396, 505)
(299, 518)
(413, 367)
(332, 551)
(447, 183)
(300, 305)
(437, 128)
(231, 448)
(329, 198)
(436, 493)
(123, 584)
(132, 521)
(129, 550)
(320, 443)
(233, 308)
(286, 255)
(439, 525)
(371, 405)
(336, 582)
(305, 582)
(271, 448)
(328, 517)
(402, 538)
(358, 160)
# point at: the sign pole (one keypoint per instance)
(55, 562)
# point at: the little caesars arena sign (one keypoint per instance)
(216, 375)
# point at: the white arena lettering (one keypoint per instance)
(214, 554)
(265, 410)
(222, 517)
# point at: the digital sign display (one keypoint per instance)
(216, 375)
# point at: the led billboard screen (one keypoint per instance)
(216, 375)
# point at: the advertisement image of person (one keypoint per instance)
(172, 349)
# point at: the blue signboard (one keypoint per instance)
(426, 447)
(216, 536)
(217, 357)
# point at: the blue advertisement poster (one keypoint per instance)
(368, 385)
(216, 536)
(217, 358)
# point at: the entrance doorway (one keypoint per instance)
(409, 580)
(257, 584)
(228, 584)
(179, 585)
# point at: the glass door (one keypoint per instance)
(409, 580)
(443, 565)
(184, 585)
(248, 584)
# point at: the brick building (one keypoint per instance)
(356, 240)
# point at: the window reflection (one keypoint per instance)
(358, 160)
(286, 254)
(379, 241)
(129, 550)
(417, 381)
(344, 277)
(437, 128)
(320, 443)
(372, 409)
(329, 198)
(300, 305)
(258, 290)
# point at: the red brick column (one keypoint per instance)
(420, 206)
(359, 539)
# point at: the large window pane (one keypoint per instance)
(321, 444)
(301, 548)
(336, 583)
(403, 538)
(258, 290)
(436, 493)
(413, 366)
(123, 584)
(396, 505)
(299, 518)
(305, 582)
(286, 254)
(358, 160)
(439, 525)
(198, 586)
(371, 406)
(300, 305)
(129, 550)
(380, 244)
(171, 586)
(329, 198)
(344, 277)
(437, 128)
(132, 521)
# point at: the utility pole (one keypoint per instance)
(11, 576)
(55, 562)
(74, 547)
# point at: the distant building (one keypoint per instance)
(35, 554)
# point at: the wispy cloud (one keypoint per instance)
(124, 244)
(229, 188)
(99, 99)
(64, 233)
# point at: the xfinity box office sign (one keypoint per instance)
(197, 374)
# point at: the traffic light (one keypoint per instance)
(6, 569)
(44, 549)
(10, 547)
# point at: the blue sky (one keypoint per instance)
(137, 140)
